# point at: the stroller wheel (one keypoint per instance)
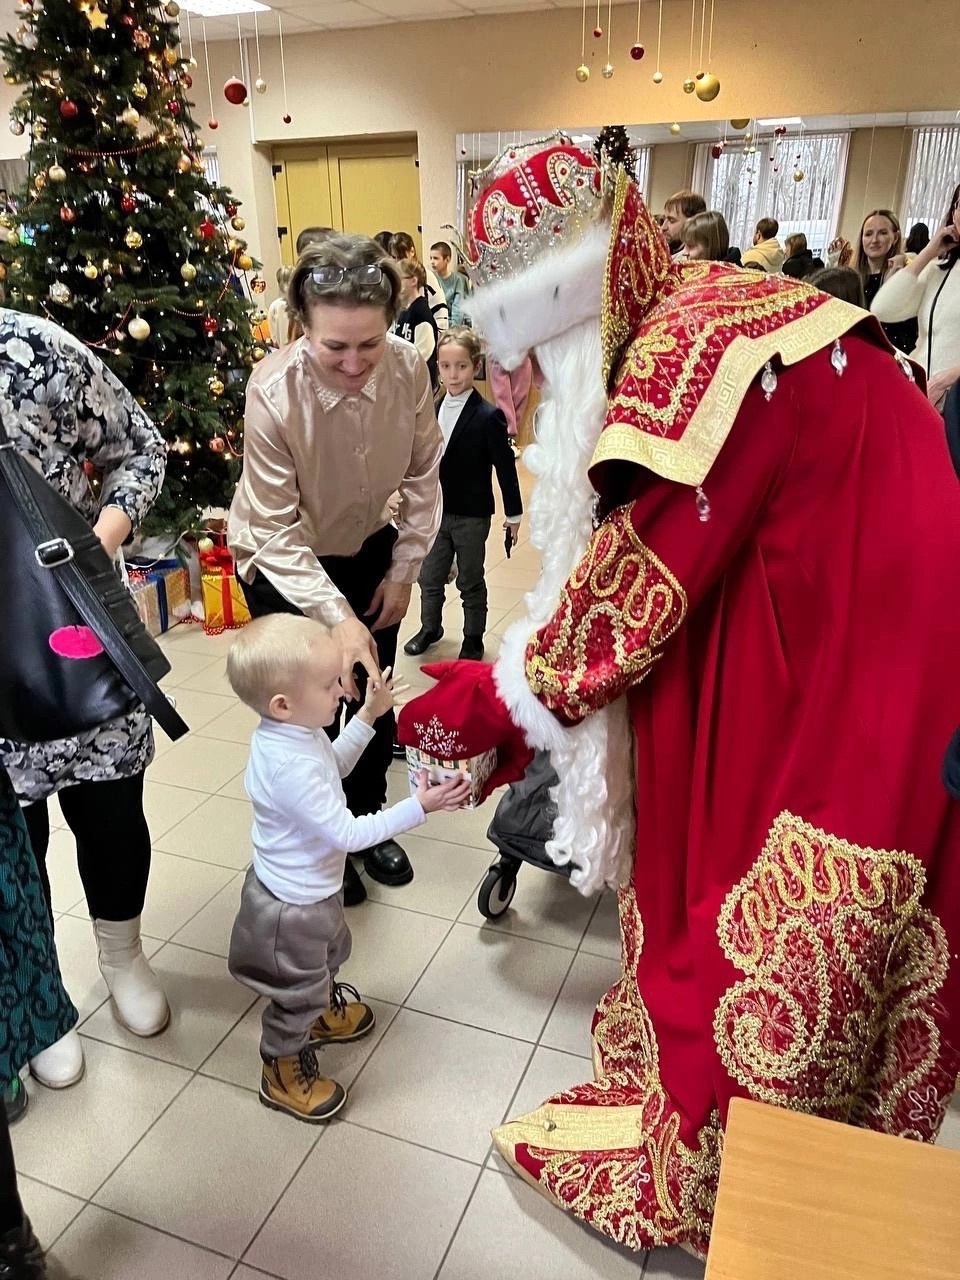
(496, 892)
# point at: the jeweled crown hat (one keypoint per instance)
(533, 197)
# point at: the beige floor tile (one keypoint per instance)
(391, 948)
(602, 937)
(569, 1025)
(545, 908)
(218, 831)
(109, 1247)
(66, 887)
(511, 1232)
(201, 764)
(251, 1273)
(548, 1072)
(210, 929)
(198, 709)
(235, 725)
(49, 1210)
(673, 1264)
(212, 1167)
(73, 1138)
(192, 638)
(404, 1238)
(235, 788)
(237, 1059)
(502, 599)
(444, 882)
(165, 806)
(205, 1004)
(211, 679)
(178, 889)
(185, 664)
(494, 981)
(439, 1084)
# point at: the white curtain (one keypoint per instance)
(932, 175)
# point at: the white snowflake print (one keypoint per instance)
(439, 741)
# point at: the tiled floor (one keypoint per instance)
(162, 1163)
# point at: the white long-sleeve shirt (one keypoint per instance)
(905, 295)
(302, 828)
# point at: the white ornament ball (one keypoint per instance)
(59, 293)
(674, 128)
(260, 84)
(16, 128)
(57, 173)
(607, 70)
(138, 329)
(658, 77)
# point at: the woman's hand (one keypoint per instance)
(389, 605)
(357, 649)
(940, 384)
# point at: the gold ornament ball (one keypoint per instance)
(40, 181)
(258, 353)
(234, 245)
(130, 116)
(139, 90)
(90, 271)
(237, 223)
(39, 129)
(798, 175)
(245, 262)
(708, 86)
(215, 387)
(171, 57)
(172, 9)
(260, 84)
(607, 70)
(582, 73)
(740, 122)
(689, 84)
(56, 173)
(10, 78)
(188, 272)
(658, 77)
(184, 164)
(138, 329)
(133, 239)
(674, 128)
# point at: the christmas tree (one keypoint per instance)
(119, 236)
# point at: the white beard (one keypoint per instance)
(595, 827)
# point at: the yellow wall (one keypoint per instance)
(671, 170)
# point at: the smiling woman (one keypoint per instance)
(335, 423)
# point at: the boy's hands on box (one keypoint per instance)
(380, 696)
(448, 795)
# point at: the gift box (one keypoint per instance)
(161, 592)
(477, 769)
(223, 604)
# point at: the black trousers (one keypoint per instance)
(11, 1210)
(113, 844)
(357, 578)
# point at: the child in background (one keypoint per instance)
(290, 937)
(278, 317)
(455, 286)
(415, 322)
(475, 442)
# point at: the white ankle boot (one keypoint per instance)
(61, 1065)
(138, 999)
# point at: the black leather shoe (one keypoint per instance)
(354, 890)
(388, 864)
(472, 648)
(399, 752)
(422, 641)
(21, 1257)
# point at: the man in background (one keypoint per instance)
(677, 212)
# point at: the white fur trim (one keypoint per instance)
(560, 290)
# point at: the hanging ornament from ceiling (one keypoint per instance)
(598, 30)
(636, 49)
(689, 83)
(287, 118)
(707, 84)
(213, 122)
(259, 84)
(607, 69)
(235, 89)
(582, 72)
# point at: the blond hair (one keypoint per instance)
(413, 271)
(460, 335)
(269, 655)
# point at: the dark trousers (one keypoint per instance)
(466, 538)
(11, 1210)
(113, 844)
(357, 578)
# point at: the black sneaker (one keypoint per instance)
(21, 1257)
(15, 1102)
(422, 641)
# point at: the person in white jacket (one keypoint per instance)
(929, 288)
(766, 251)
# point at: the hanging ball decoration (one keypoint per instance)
(130, 116)
(68, 109)
(798, 175)
(258, 353)
(213, 123)
(597, 33)
(708, 86)
(258, 285)
(57, 173)
(636, 52)
(173, 106)
(582, 73)
(716, 150)
(140, 38)
(9, 77)
(674, 128)
(780, 131)
(260, 84)
(39, 182)
(245, 262)
(139, 90)
(204, 544)
(218, 444)
(90, 271)
(234, 245)
(658, 77)
(138, 329)
(184, 164)
(67, 214)
(207, 229)
(740, 122)
(237, 223)
(187, 80)
(607, 70)
(127, 203)
(133, 239)
(188, 272)
(39, 129)
(689, 84)
(235, 91)
(287, 118)
(215, 386)
(60, 293)
(170, 56)
(172, 9)
(211, 326)
(230, 209)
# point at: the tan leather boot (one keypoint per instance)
(345, 1020)
(295, 1085)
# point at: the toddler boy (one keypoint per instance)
(290, 937)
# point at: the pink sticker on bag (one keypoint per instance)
(75, 642)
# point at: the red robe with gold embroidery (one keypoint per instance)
(791, 668)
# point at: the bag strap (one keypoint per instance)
(98, 617)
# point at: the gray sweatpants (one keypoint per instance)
(290, 954)
(463, 537)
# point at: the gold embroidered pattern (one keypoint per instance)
(836, 1013)
(619, 607)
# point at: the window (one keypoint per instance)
(211, 164)
(932, 175)
(750, 183)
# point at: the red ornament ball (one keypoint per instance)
(218, 444)
(287, 117)
(67, 214)
(68, 108)
(210, 326)
(597, 32)
(231, 210)
(235, 91)
(716, 151)
(128, 204)
(207, 229)
(213, 123)
(637, 51)
(188, 81)
(173, 106)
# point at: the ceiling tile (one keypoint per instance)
(413, 10)
(335, 13)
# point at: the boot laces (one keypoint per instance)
(307, 1069)
(338, 995)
